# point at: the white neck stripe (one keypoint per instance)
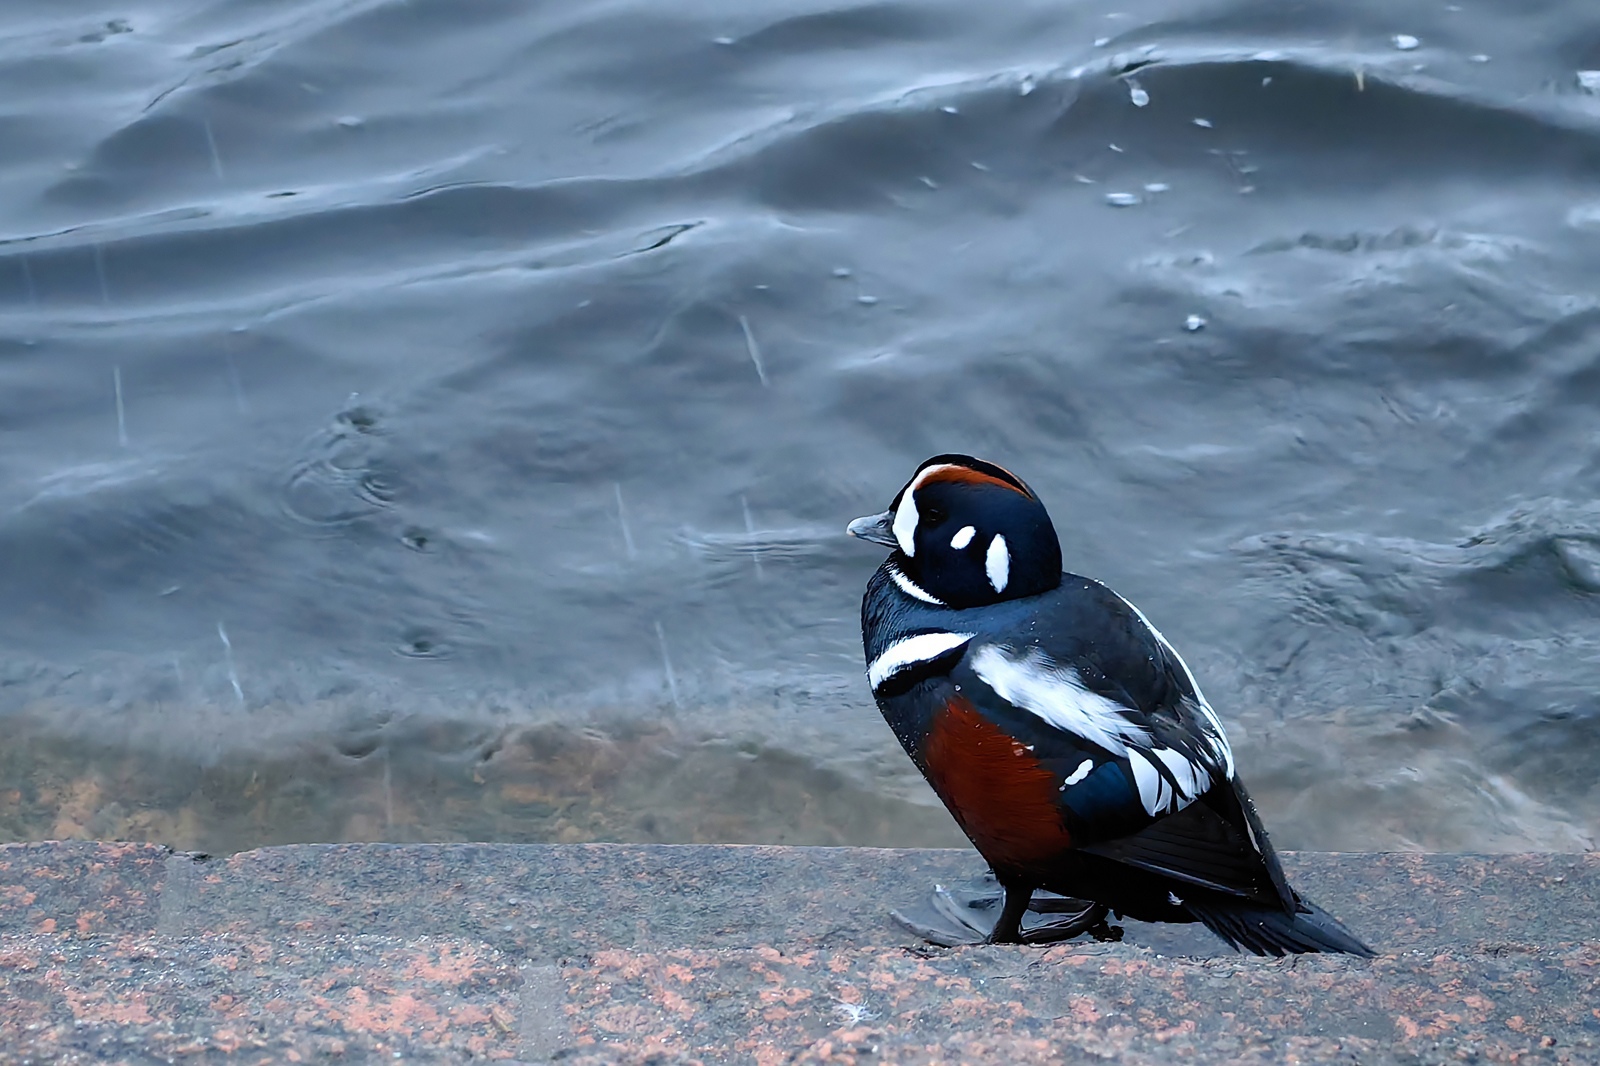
(911, 588)
(908, 651)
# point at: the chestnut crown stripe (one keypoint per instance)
(964, 469)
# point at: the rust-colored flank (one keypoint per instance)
(998, 791)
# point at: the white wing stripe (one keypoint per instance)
(1057, 695)
(1219, 737)
(1192, 780)
(1154, 792)
(909, 651)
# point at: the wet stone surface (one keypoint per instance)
(620, 953)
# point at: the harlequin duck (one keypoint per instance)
(1061, 729)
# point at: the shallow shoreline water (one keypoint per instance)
(623, 780)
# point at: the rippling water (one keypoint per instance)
(434, 420)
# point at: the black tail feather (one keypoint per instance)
(1268, 931)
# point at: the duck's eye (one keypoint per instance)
(933, 516)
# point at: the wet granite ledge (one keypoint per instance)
(620, 953)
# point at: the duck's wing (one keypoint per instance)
(1215, 843)
(1146, 776)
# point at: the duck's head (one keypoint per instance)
(966, 533)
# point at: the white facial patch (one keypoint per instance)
(997, 563)
(1057, 695)
(905, 521)
(907, 652)
(906, 516)
(963, 537)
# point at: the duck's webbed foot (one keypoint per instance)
(1081, 917)
(950, 922)
(1058, 926)
(976, 914)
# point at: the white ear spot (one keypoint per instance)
(963, 537)
(905, 522)
(997, 563)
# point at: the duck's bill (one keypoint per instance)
(875, 527)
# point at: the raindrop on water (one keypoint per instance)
(666, 663)
(388, 791)
(211, 146)
(753, 348)
(622, 520)
(122, 417)
(227, 656)
(750, 530)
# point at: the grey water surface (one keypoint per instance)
(427, 419)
